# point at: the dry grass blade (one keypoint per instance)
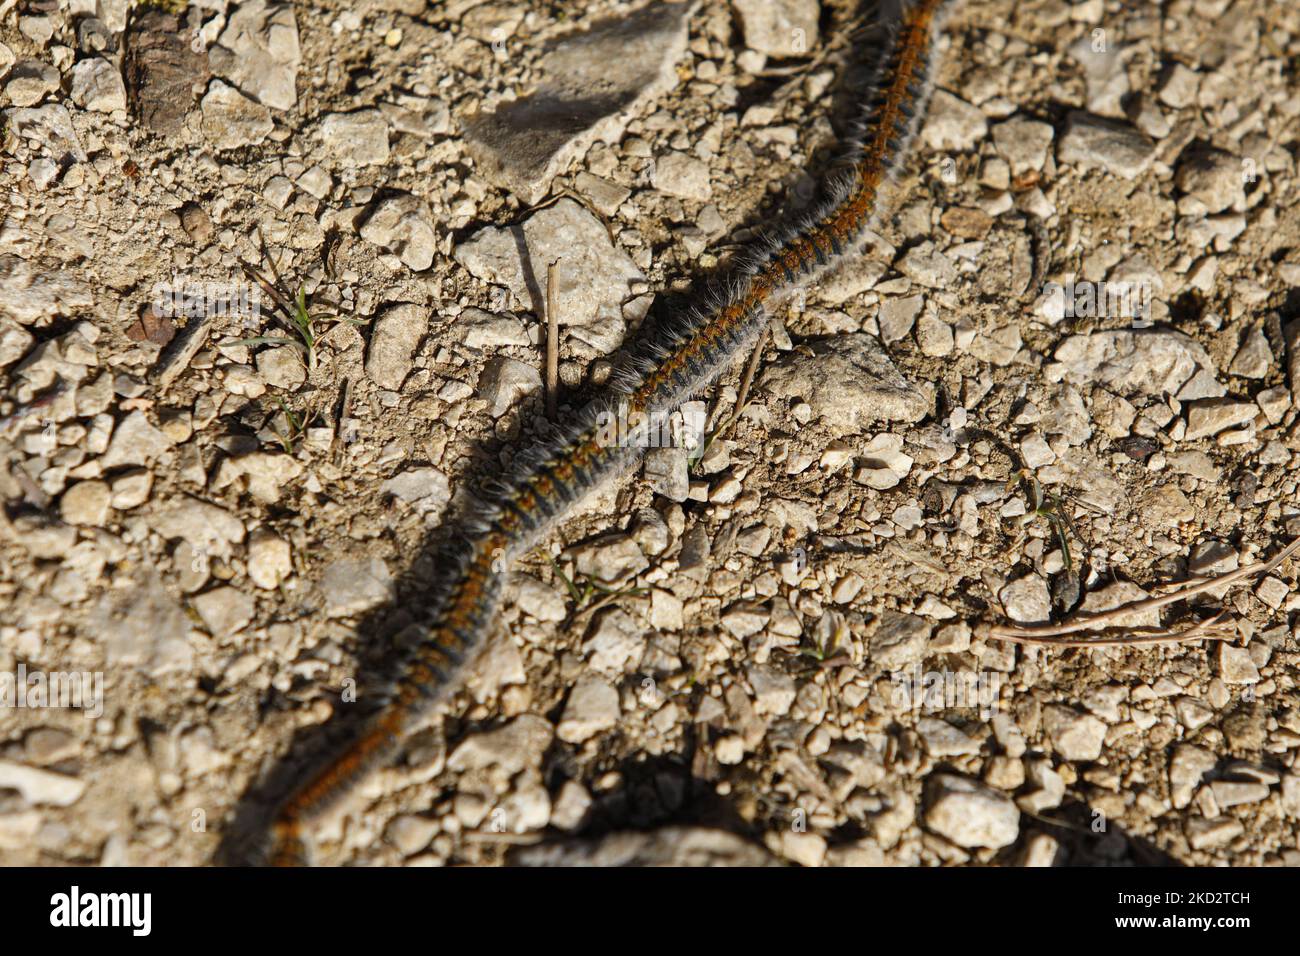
(1053, 634)
(742, 399)
(552, 340)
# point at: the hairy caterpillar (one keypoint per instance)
(683, 358)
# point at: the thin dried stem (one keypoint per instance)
(1052, 633)
(751, 369)
(552, 341)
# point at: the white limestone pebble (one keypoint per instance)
(969, 813)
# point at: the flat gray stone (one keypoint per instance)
(591, 708)
(900, 639)
(1091, 142)
(484, 330)
(849, 381)
(231, 119)
(270, 560)
(135, 441)
(779, 28)
(29, 292)
(143, 627)
(509, 749)
(51, 127)
(1187, 769)
(1254, 359)
(898, 315)
(679, 174)
(594, 280)
(425, 489)
(1027, 600)
(393, 341)
(504, 381)
(952, 124)
(37, 787)
(1212, 176)
(523, 145)
(97, 85)
(942, 739)
(667, 471)
(1075, 736)
(1104, 72)
(204, 526)
(403, 225)
(224, 610)
(30, 81)
(258, 52)
(1208, 418)
(352, 586)
(353, 140)
(1153, 362)
(970, 813)
(615, 643)
(1024, 143)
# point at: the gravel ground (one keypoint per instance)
(1061, 377)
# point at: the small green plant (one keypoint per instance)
(825, 649)
(1051, 508)
(582, 592)
(297, 427)
(293, 310)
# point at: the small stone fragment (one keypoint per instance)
(232, 120)
(40, 787)
(593, 276)
(269, 559)
(1213, 176)
(396, 335)
(525, 143)
(678, 174)
(591, 708)
(849, 381)
(1023, 143)
(351, 586)
(1027, 600)
(224, 610)
(403, 225)
(779, 28)
(258, 52)
(969, 813)
(1091, 142)
(353, 140)
(952, 124)
(427, 490)
(1075, 736)
(30, 82)
(86, 503)
(510, 748)
(98, 86)
(504, 382)
(899, 639)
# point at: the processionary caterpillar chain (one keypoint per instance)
(547, 483)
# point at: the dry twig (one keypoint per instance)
(552, 340)
(1055, 635)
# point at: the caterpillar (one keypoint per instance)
(679, 360)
